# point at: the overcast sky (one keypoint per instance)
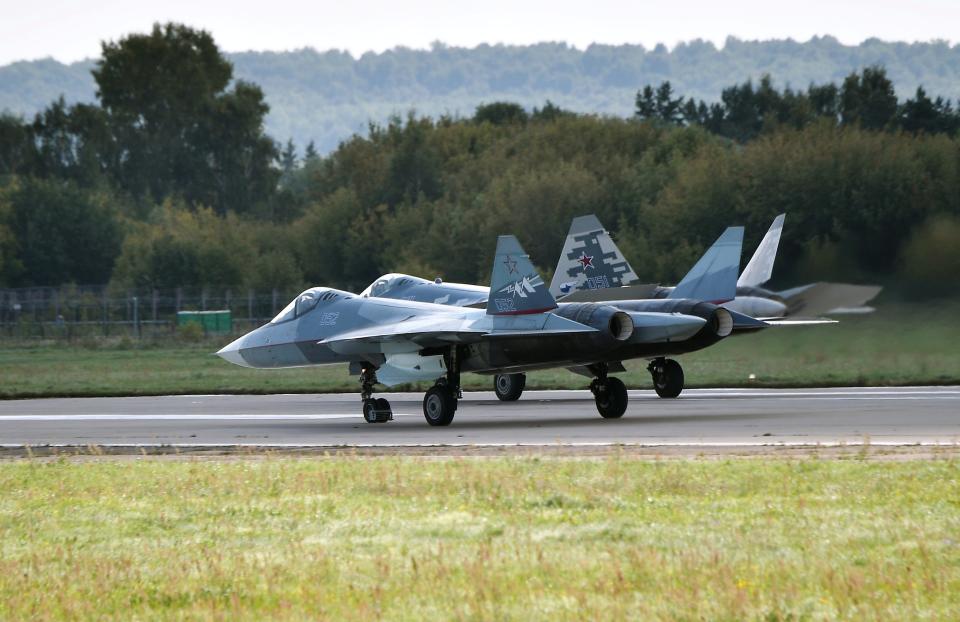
(70, 30)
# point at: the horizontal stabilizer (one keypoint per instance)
(714, 277)
(760, 267)
(515, 286)
(818, 299)
(779, 321)
(744, 323)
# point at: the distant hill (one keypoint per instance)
(327, 96)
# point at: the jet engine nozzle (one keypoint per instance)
(722, 322)
(613, 324)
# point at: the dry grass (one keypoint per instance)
(505, 538)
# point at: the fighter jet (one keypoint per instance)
(592, 269)
(588, 241)
(522, 328)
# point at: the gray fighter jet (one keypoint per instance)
(522, 328)
(591, 263)
(592, 269)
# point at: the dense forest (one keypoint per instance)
(327, 96)
(170, 179)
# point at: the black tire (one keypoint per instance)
(509, 387)
(370, 410)
(611, 398)
(376, 410)
(668, 383)
(439, 406)
(384, 411)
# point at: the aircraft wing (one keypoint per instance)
(421, 331)
(818, 299)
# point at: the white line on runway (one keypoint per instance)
(741, 443)
(180, 417)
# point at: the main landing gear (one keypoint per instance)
(440, 402)
(375, 410)
(509, 387)
(667, 377)
(609, 393)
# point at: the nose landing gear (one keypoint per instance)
(375, 410)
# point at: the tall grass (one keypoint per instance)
(505, 538)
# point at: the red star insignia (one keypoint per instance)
(586, 261)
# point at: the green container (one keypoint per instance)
(211, 321)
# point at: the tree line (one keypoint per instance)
(325, 96)
(170, 180)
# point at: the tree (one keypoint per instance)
(178, 130)
(922, 114)
(64, 233)
(288, 158)
(310, 153)
(659, 105)
(17, 154)
(868, 99)
(500, 113)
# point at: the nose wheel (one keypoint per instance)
(667, 377)
(375, 410)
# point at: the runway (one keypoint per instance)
(705, 417)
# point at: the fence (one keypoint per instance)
(73, 312)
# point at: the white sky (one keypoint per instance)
(70, 30)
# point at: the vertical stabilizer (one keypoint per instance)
(515, 286)
(760, 267)
(714, 277)
(590, 260)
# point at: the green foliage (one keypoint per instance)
(931, 258)
(62, 233)
(178, 129)
(182, 247)
(500, 113)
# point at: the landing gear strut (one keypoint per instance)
(509, 387)
(440, 402)
(667, 377)
(375, 410)
(609, 393)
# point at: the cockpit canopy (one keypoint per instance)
(306, 301)
(389, 282)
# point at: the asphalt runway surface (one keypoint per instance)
(704, 417)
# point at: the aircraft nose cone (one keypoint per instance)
(231, 353)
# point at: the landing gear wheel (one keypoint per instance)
(509, 387)
(611, 397)
(439, 405)
(667, 377)
(377, 410)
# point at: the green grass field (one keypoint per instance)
(480, 539)
(897, 345)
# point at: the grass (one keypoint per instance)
(480, 539)
(897, 345)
